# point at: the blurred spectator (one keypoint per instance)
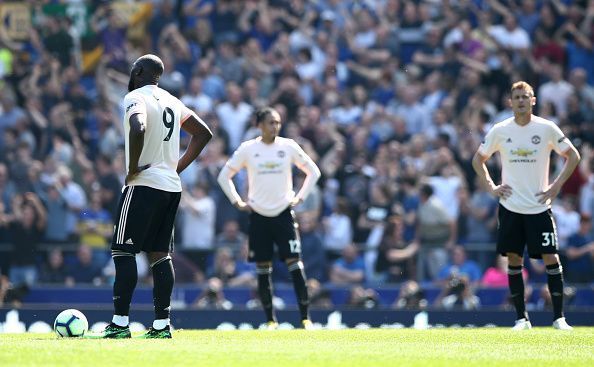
(186, 271)
(7, 187)
(338, 231)
(245, 269)
(195, 98)
(11, 113)
(234, 115)
(110, 184)
(556, 90)
(198, 224)
(83, 269)
(213, 297)
(435, 233)
(57, 211)
(361, 297)
(111, 29)
(395, 261)
(319, 297)
(25, 229)
(349, 268)
(579, 252)
(458, 293)
(231, 237)
(13, 295)
(509, 36)
(74, 197)
(53, 269)
(496, 276)
(460, 266)
(411, 296)
(223, 265)
(95, 224)
(312, 249)
(567, 219)
(478, 215)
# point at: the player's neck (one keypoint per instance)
(268, 139)
(144, 84)
(522, 119)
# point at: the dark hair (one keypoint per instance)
(151, 64)
(262, 113)
(427, 190)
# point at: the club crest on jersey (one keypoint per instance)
(536, 139)
(281, 153)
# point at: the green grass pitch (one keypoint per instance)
(374, 347)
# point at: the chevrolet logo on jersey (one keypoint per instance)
(267, 168)
(523, 152)
(269, 165)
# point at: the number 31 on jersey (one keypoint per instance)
(549, 239)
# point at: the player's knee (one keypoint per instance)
(514, 259)
(514, 269)
(264, 268)
(294, 264)
(550, 259)
(156, 256)
(120, 253)
(554, 269)
(160, 260)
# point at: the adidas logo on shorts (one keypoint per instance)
(129, 241)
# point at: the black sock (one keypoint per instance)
(298, 276)
(265, 292)
(516, 287)
(126, 277)
(555, 282)
(163, 280)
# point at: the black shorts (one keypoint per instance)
(145, 220)
(516, 230)
(264, 232)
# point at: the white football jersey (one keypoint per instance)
(164, 116)
(525, 153)
(270, 176)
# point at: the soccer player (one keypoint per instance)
(524, 143)
(269, 160)
(149, 201)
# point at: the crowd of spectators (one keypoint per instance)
(391, 98)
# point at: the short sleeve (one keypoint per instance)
(237, 160)
(490, 145)
(559, 142)
(134, 104)
(186, 113)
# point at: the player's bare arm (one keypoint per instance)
(572, 159)
(502, 191)
(225, 180)
(136, 139)
(200, 136)
(312, 174)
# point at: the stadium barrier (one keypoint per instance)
(22, 319)
(185, 295)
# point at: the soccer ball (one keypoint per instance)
(71, 323)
